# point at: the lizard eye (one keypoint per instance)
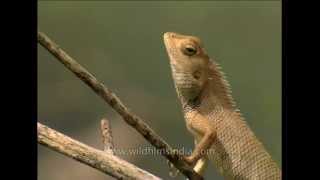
(189, 50)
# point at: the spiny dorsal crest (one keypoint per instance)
(221, 83)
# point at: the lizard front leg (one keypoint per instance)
(200, 166)
(204, 131)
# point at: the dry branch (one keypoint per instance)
(100, 160)
(107, 136)
(109, 97)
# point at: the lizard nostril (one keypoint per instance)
(170, 34)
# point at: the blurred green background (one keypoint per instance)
(121, 44)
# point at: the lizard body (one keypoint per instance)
(212, 117)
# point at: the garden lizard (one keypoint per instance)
(220, 132)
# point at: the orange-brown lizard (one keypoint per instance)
(212, 117)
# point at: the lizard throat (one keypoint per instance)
(187, 86)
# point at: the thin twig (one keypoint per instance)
(109, 97)
(107, 136)
(104, 162)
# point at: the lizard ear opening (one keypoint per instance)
(189, 50)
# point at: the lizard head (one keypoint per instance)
(189, 63)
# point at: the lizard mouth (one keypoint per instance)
(169, 39)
